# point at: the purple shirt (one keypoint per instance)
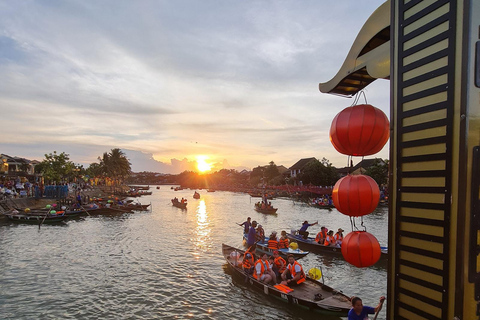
(252, 234)
(305, 226)
(363, 315)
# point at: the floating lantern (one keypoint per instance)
(361, 249)
(27, 210)
(53, 211)
(360, 130)
(48, 206)
(356, 195)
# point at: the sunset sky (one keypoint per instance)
(234, 82)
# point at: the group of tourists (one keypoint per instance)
(274, 269)
(324, 237)
(324, 200)
(264, 205)
(181, 201)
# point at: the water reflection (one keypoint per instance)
(203, 230)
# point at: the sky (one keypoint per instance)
(167, 81)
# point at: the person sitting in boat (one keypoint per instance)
(321, 236)
(252, 234)
(262, 271)
(260, 233)
(272, 241)
(303, 230)
(246, 225)
(329, 240)
(293, 274)
(338, 237)
(283, 242)
(249, 260)
(279, 264)
(361, 312)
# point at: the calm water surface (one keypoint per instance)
(163, 264)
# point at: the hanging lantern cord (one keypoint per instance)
(352, 223)
(357, 97)
(363, 226)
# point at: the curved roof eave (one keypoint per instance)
(368, 59)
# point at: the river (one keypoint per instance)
(165, 263)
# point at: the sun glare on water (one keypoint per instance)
(202, 164)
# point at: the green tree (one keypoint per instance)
(271, 172)
(378, 171)
(57, 167)
(115, 164)
(319, 173)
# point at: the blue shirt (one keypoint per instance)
(246, 226)
(305, 226)
(363, 315)
(251, 236)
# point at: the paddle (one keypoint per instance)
(85, 210)
(379, 308)
(43, 219)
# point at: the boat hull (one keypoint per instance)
(333, 302)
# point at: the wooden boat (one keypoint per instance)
(115, 210)
(262, 247)
(140, 187)
(322, 206)
(210, 190)
(178, 204)
(311, 245)
(270, 210)
(196, 195)
(16, 216)
(137, 206)
(311, 294)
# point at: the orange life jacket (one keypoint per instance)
(273, 244)
(283, 243)
(328, 240)
(248, 261)
(337, 237)
(291, 268)
(278, 263)
(263, 267)
(320, 238)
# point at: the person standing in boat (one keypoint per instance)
(303, 230)
(361, 312)
(246, 225)
(252, 234)
(293, 274)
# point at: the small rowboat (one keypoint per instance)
(311, 294)
(311, 245)
(196, 195)
(262, 247)
(270, 210)
(14, 215)
(178, 204)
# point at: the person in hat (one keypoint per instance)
(303, 230)
(338, 237)
(252, 234)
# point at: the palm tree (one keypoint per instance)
(115, 164)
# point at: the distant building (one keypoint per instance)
(360, 167)
(297, 168)
(15, 165)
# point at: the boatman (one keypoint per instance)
(294, 274)
(303, 230)
(246, 225)
(361, 312)
(252, 234)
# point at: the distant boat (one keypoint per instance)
(179, 204)
(266, 210)
(196, 195)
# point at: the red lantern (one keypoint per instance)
(356, 195)
(361, 249)
(360, 130)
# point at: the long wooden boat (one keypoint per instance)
(16, 216)
(262, 246)
(265, 210)
(311, 294)
(137, 206)
(107, 210)
(180, 205)
(311, 245)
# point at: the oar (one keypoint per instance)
(43, 219)
(85, 210)
(378, 311)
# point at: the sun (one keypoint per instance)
(202, 164)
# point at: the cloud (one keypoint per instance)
(239, 78)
